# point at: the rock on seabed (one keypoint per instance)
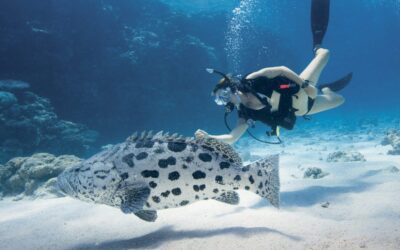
(34, 176)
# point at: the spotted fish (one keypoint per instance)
(152, 172)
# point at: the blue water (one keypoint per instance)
(124, 66)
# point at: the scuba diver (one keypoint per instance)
(277, 95)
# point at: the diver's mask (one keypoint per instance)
(226, 87)
(223, 96)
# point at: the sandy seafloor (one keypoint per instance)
(364, 210)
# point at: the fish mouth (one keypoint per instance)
(63, 185)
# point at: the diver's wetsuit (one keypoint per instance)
(285, 115)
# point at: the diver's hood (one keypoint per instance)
(226, 81)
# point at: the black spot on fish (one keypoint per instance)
(259, 173)
(152, 184)
(237, 178)
(176, 191)
(205, 157)
(174, 176)
(260, 185)
(142, 156)
(102, 171)
(128, 159)
(113, 179)
(156, 199)
(171, 160)
(202, 187)
(196, 188)
(176, 146)
(147, 204)
(124, 176)
(150, 173)
(104, 187)
(245, 169)
(215, 190)
(164, 163)
(165, 194)
(76, 170)
(196, 197)
(235, 188)
(101, 176)
(189, 159)
(251, 179)
(184, 203)
(208, 148)
(219, 179)
(199, 175)
(224, 164)
(184, 166)
(247, 187)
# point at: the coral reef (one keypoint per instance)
(315, 173)
(34, 176)
(28, 124)
(392, 138)
(343, 156)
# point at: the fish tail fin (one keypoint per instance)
(265, 178)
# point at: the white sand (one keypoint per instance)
(364, 211)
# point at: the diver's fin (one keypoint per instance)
(339, 84)
(319, 20)
(264, 177)
(133, 197)
(147, 215)
(229, 197)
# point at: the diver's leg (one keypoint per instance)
(314, 69)
(328, 100)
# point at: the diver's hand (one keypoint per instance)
(201, 134)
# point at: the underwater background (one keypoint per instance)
(77, 75)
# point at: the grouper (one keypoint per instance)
(151, 172)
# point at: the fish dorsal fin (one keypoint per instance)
(229, 197)
(147, 215)
(133, 196)
(224, 148)
(143, 136)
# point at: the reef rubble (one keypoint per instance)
(345, 156)
(34, 176)
(392, 138)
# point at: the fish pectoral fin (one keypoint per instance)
(147, 215)
(230, 197)
(133, 197)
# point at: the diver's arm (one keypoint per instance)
(272, 72)
(230, 138)
(288, 73)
